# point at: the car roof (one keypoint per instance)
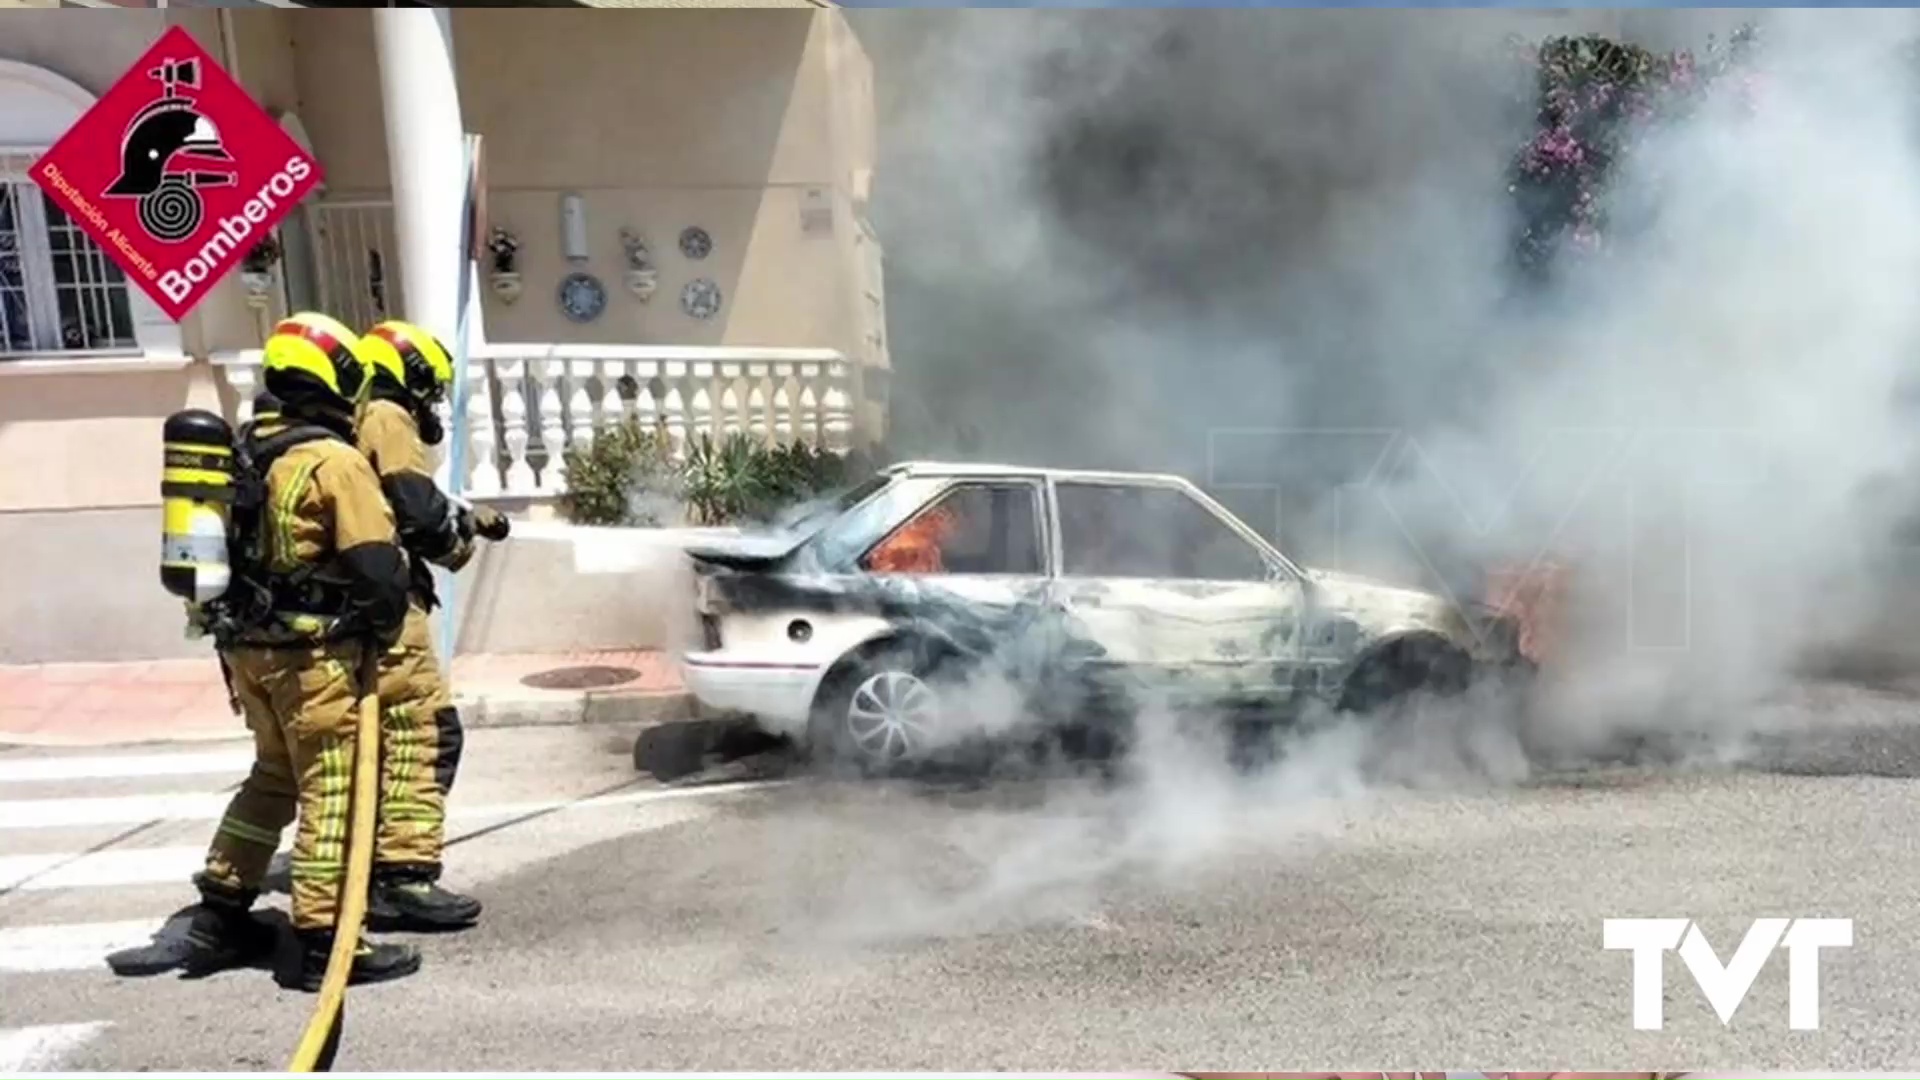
(963, 469)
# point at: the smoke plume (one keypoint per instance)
(1272, 251)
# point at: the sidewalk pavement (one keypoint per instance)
(185, 700)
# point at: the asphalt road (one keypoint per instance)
(1188, 919)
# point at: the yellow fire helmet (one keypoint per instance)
(308, 353)
(412, 357)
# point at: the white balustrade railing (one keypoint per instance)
(527, 404)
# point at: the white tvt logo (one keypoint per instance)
(1726, 985)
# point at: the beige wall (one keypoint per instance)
(730, 120)
(593, 98)
(91, 439)
(93, 48)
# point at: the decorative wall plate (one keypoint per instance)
(700, 298)
(582, 297)
(695, 243)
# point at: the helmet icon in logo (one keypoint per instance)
(158, 152)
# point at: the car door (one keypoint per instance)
(1173, 588)
(969, 561)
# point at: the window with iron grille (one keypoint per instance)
(59, 292)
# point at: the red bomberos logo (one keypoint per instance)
(177, 172)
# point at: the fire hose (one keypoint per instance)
(321, 1039)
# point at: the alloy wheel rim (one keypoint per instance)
(892, 715)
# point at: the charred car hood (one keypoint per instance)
(1378, 608)
(1377, 605)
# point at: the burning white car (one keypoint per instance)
(870, 632)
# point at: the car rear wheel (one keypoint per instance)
(885, 712)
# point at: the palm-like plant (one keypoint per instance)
(725, 481)
(741, 479)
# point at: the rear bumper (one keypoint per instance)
(780, 696)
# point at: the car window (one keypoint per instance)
(845, 537)
(973, 528)
(1110, 530)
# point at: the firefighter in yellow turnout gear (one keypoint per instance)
(332, 582)
(421, 729)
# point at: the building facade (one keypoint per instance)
(736, 146)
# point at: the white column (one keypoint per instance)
(425, 159)
(426, 162)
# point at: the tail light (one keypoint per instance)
(710, 632)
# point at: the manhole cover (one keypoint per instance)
(580, 678)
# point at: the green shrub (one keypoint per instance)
(626, 476)
(827, 471)
(727, 481)
(606, 479)
(740, 479)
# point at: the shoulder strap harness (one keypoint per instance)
(256, 592)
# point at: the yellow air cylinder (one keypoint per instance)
(197, 490)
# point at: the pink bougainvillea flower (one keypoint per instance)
(1598, 102)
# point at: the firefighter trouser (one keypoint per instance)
(302, 706)
(420, 747)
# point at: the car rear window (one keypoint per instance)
(972, 528)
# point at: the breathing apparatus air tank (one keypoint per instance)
(197, 488)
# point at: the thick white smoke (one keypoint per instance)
(1272, 249)
(1729, 383)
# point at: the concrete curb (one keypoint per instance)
(554, 710)
(39, 741)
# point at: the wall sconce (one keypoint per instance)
(573, 228)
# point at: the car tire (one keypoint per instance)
(884, 711)
(1401, 696)
(672, 751)
(1401, 672)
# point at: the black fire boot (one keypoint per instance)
(408, 898)
(372, 962)
(223, 934)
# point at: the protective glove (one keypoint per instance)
(456, 560)
(491, 523)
